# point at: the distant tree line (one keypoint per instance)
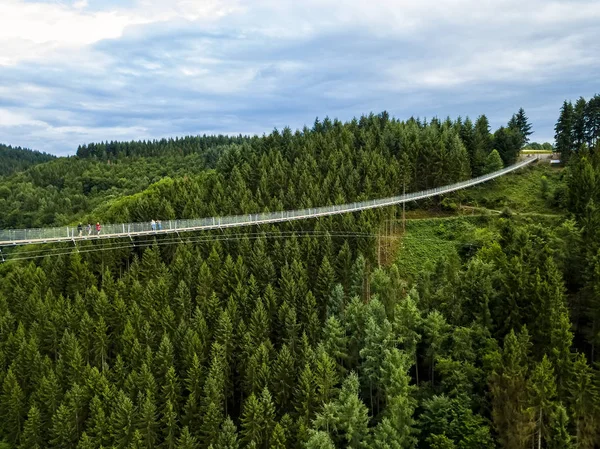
(15, 159)
(161, 147)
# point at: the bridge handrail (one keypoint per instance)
(67, 233)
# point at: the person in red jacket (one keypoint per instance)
(98, 227)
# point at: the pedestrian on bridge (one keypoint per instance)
(159, 225)
(98, 227)
(89, 229)
(80, 229)
(153, 225)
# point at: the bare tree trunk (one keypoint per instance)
(540, 432)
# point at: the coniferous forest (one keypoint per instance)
(298, 335)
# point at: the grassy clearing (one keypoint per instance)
(427, 240)
(534, 189)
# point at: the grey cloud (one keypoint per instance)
(180, 78)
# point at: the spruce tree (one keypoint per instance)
(122, 420)
(186, 440)
(352, 414)
(563, 131)
(319, 440)
(169, 426)
(542, 392)
(32, 437)
(228, 438)
(64, 429)
(278, 439)
(147, 421)
(523, 125)
(252, 431)
(282, 380)
(558, 433)
(13, 408)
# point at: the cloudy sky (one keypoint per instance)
(76, 71)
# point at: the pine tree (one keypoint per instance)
(171, 390)
(326, 376)
(335, 302)
(169, 426)
(147, 425)
(64, 431)
(122, 420)
(584, 399)
(283, 378)
(101, 343)
(542, 391)
(32, 437)
(377, 341)
(397, 426)
(251, 421)
(213, 401)
(357, 279)
(86, 442)
(436, 330)
(13, 408)
(352, 414)
(344, 266)
(335, 343)
(564, 131)
(579, 122)
(186, 440)
(278, 439)
(558, 434)
(406, 326)
(97, 424)
(228, 437)
(523, 125)
(136, 441)
(319, 440)
(268, 415)
(325, 281)
(508, 388)
(305, 397)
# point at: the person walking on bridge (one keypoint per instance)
(89, 229)
(153, 225)
(98, 227)
(80, 229)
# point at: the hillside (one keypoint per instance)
(16, 159)
(480, 331)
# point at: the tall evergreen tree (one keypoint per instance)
(563, 131)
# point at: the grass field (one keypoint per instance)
(532, 189)
(430, 235)
(428, 240)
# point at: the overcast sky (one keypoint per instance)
(73, 72)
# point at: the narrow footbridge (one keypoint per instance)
(15, 237)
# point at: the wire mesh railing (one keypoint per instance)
(67, 233)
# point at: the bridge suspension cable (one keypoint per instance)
(16, 237)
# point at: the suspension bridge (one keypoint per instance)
(17, 237)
